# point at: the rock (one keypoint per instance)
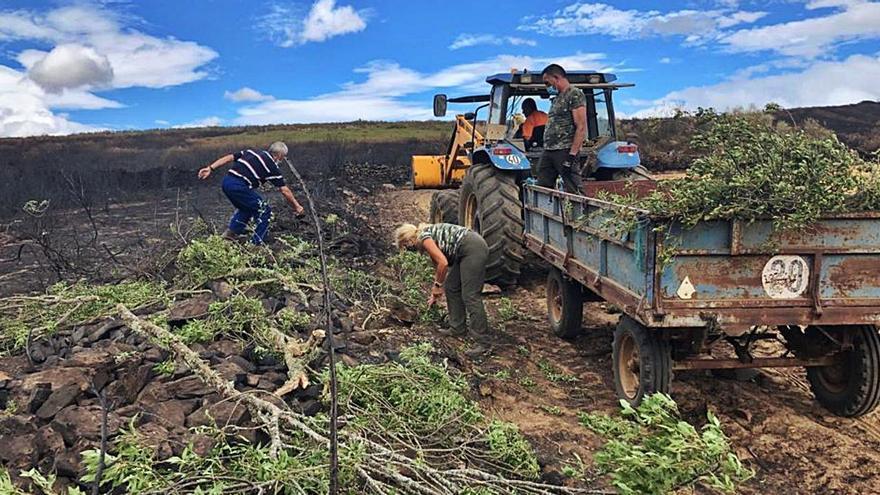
(18, 434)
(189, 309)
(223, 413)
(363, 338)
(48, 442)
(313, 391)
(489, 289)
(170, 413)
(389, 187)
(39, 394)
(403, 313)
(221, 289)
(309, 407)
(95, 359)
(242, 363)
(348, 360)
(131, 381)
(76, 422)
(4, 399)
(100, 331)
(68, 462)
(252, 380)
(57, 378)
(188, 387)
(224, 348)
(202, 445)
(230, 371)
(272, 305)
(58, 400)
(154, 392)
(159, 439)
(347, 324)
(52, 361)
(155, 355)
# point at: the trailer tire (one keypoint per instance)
(565, 305)
(490, 205)
(444, 206)
(850, 388)
(641, 362)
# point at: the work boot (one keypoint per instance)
(229, 235)
(453, 332)
(477, 350)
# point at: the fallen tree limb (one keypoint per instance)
(380, 470)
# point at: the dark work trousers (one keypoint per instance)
(464, 286)
(249, 205)
(550, 167)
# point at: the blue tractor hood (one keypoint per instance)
(618, 154)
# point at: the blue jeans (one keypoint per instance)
(249, 205)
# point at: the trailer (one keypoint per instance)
(684, 292)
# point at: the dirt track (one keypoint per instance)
(776, 426)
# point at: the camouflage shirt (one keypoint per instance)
(447, 236)
(559, 132)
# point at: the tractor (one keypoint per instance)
(485, 164)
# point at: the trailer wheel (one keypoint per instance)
(490, 205)
(565, 305)
(642, 363)
(444, 206)
(850, 388)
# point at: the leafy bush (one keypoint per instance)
(508, 445)
(212, 258)
(652, 450)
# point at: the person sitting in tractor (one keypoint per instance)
(252, 168)
(533, 128)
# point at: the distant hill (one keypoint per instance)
(858, 118)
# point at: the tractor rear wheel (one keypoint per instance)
(444, 206)
(490, 205)
(851, 387)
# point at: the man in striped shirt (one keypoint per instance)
(250, 170)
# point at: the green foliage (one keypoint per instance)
(289, 320)
(415, 273)
(69, 304)
(166, 367)
(753, 168)
(197, 331)
(6, 485)
(650, 449)
(554, 374)
(507, 311)
(553, 410)
(212, 258)
(508, 445)
(417, 398)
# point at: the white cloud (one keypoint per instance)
(91, 49)
(815, 36)
(820, 84)
(163, 123)
(71, 66)
(600, 18)
(467, 40)
(25, 111)
(381, 95)
(212, 121)
(288, 27)
(245, 94)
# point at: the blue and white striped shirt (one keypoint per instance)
(256, 167)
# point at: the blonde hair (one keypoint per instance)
(408, 234)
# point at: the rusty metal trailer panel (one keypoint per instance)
(732, 273)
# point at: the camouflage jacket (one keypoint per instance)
(559, 132)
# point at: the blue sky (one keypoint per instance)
(70, 67)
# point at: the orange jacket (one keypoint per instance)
(536, 119)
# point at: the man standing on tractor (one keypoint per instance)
(565, 132)
(251, 169)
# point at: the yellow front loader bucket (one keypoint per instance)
(427, 172)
